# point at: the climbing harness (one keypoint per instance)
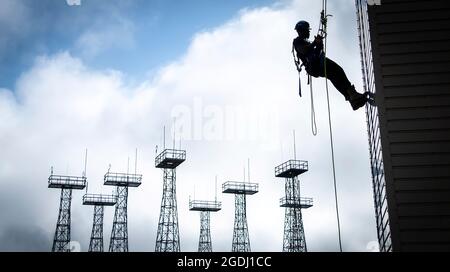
(299, 66)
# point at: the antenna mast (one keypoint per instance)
(85, 162)
(248, 169)
(128, 165)
(215, 190)
(174, 119)
(295, 152)
(135, 163)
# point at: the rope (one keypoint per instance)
(313, 111)
(299, 69)
(324, 22)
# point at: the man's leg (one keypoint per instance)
(337, 76)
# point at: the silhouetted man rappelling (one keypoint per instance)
(313, 58)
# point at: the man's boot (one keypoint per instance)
(357, 100)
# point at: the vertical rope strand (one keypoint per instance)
(324, 8)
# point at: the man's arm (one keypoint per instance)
(302, 47)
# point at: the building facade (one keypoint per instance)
(405, 55)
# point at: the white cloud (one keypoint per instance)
(73, 2)
(60, 106)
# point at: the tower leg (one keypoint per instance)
(294, 235)
(61, 240)
(119, 234)
(204, 244)
(168, 237)
(241, 239)
(96, 243)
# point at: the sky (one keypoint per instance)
(219, 75)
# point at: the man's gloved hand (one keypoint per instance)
(318, 40)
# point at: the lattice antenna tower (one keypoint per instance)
(241, 238)
(294, 234)
(205, 208)
(168, 237)
(99, 201)
(61, 240)
(119, 233)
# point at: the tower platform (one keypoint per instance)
(170, 158)
(234, 187)
(202, 205)
(66, 182)
(120, 179)
(291, 168)
(302, 202)
(99, 200)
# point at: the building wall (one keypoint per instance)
(410, 74)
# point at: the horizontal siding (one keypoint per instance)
(421, 58)
(435, 100)
(425, 247)
(412, 26)
(418, 113)
(410, 37)
(390, 6)
(422, 184)
(419, 124)
(417, 90)
(404, 172)
(418, 68)
(417, 47)
(424, 222)
(439, 196)
(396, 17)
(417, 79)
(413, 160)
(413, 45)
(427, 235)
(420, 147)
(430, 209)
